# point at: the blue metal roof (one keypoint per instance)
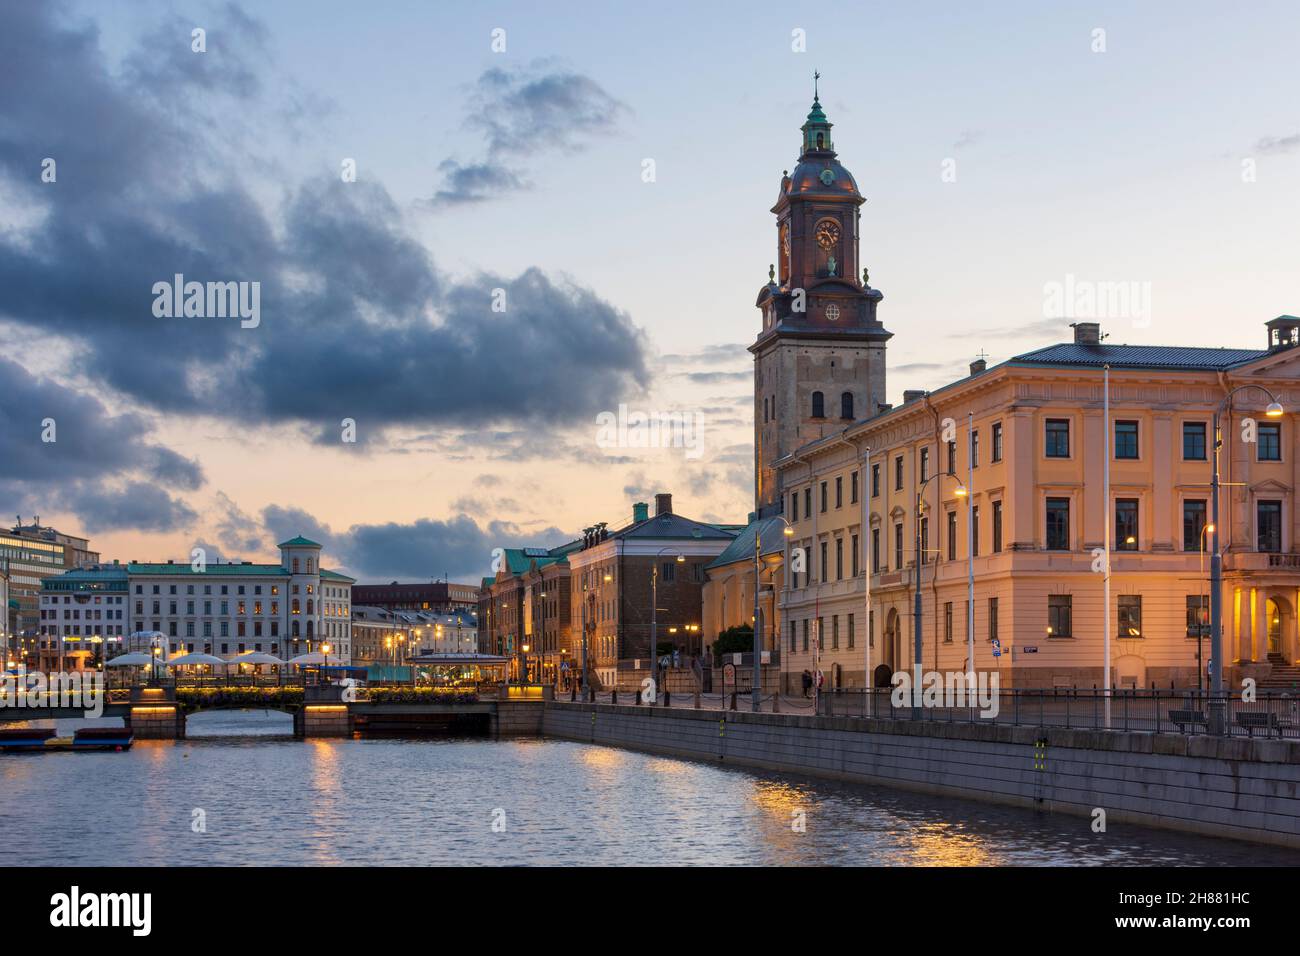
(772, 541)
(1139, 356)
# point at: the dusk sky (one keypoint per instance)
(999, 150)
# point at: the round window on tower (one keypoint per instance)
(832, 313)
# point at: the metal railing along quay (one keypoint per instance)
(1144, 711)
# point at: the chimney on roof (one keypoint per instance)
(640, 511)
(1086, 333)
(912, 394)
(977, 366)
(663, 504)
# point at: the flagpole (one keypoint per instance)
(865, 491)
(1105, 495)
(970, 552)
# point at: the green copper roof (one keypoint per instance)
(299, 542)
(335, 576)
(211, 570)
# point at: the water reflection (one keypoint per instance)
(269, 799)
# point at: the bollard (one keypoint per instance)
(613, 696)
(668, 700)
(697, 700)
(733, 700)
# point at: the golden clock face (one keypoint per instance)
(827, 234)
(785, 239)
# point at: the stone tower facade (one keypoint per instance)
(819, 360)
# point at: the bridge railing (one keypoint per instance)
(1149, 711)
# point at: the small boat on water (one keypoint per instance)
(32, 739)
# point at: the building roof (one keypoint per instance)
(1180, 357)
(327, 575)
(673, 526)
(185, 568)
(299, 542)
(771, 537)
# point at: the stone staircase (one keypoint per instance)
(1282, 675)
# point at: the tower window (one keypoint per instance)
(818, 405)
(846, 406)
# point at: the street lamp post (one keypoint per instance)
(916, 601)
(1217, 703)
(654, 618)
(1200, 613)
(756, 695)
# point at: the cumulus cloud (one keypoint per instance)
(356, 319)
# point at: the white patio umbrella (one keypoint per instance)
(136, 659)
(255, 657)
(195, 658)
(315, 657)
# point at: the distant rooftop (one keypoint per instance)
(1184, 358)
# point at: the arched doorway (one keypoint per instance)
(891, 649)
(882, 676)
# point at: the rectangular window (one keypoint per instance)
(1130, 615)
(952, 458)
(857, 564)
(669, 572)
(875, 550)
(839, 491)
(807, 501)
(898, 546)
(839, 559)
(993, 618)
(1193, 441)
(823, 497)
(1058, 524)
(871, 628)
(1126, 440)
(1269, 441)
(853, 488)
(794, 639)
(1126, 524)
(952, 536)
(805, 635)
(898, 473)
(835, 632)
(947, 622)
(997, 526)
(875, 481)
(1268, 529)
(1193, 524)
(1198, 615)
(1059, 615)
(975, 448)
(1058, 438)
(925, 463)
(794, 507)
(997, 441)
(975, 531)
(825, 564)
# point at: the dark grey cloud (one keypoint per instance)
(709, 355)
(476, 182)
(539, 107)
(423, 549)
(135, 506)
(356, 320)
(93, 453)
(524, 111)
(717, 378)
(1278, 144)
(237, 531)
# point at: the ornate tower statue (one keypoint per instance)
(819, 360)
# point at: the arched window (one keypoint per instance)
(296, 608)
(821, 140)
(846, 405)
(310, 630)
(311, 607)
(818, 405)
(295, 628)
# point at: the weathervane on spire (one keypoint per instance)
(816, 76)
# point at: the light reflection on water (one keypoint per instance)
(270, 799)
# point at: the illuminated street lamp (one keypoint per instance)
(1273, 410)
(756, 693)
(654, 610)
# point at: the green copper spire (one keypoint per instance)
(817, 129)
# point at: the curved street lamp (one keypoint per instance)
(756, 694)
(654, 608)
(1217, 703)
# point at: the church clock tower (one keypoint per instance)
(819, 360)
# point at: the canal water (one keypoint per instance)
(241, 791)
